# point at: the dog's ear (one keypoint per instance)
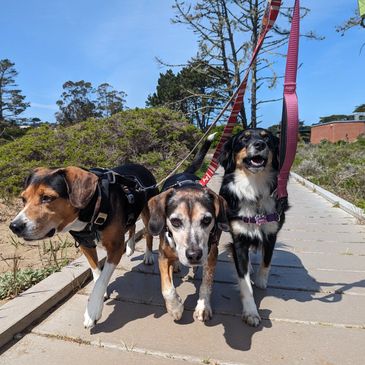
(157, 207)
(226, 158)
(220, 207)
(81, 185)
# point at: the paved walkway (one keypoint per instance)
(313, 310)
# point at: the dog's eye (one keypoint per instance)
(46, 199)
(206, 221)
(176, 222)
(24, 200)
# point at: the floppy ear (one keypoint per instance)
(226, 158)
(220, 206)
(81, 185)
(157, 207)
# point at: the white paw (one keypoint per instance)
(261, 281)
(262, 278)
(131, 243)
(251, 318)
(203, 311)
(148, 258)
(175, 308)
(93, 312)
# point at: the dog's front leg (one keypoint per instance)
(96, 300)
(240, 254)
(203, 310)
(264, 270)
(173, 302)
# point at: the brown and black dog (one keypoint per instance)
(189, 219)
(91, 206)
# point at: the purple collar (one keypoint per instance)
(260, 218)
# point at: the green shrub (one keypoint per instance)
(338, 167)
(156, 138)
(12, 284)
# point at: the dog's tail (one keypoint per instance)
(199, 158)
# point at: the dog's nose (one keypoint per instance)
(194, 255)
(259, 145)
(17, 227)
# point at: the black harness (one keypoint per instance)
(97, 213)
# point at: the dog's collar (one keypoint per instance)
(259, 219)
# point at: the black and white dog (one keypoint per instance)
(250, 160)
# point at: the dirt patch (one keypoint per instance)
(35, 254)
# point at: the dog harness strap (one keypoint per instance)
(290, 119)
(271, 13)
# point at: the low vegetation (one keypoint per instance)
(156, 138)
(338, 167)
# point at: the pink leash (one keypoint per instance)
(289, 123)
(290, 119)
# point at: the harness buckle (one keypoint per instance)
(260, 219)
(130, 198)
(101, 218)
(111, 177)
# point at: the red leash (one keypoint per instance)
(271, 13)
(290, 108)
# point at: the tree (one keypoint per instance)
(109, 101)
(335, 117)
(76, 103)
(81, 101)
(354, 21)
(227, 32)
(12, 102)
(191, 91)
(360, 109)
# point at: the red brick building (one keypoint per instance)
(335, 131)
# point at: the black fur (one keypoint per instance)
(242, 242)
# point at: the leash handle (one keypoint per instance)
(290, 118)
(271, 13)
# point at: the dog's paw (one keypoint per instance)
(251, 318)
(93, 313)
(129, 250)
(175, 308)
(203, 311)
(148, 258)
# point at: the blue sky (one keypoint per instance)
(116, 41)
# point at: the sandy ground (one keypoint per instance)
(35, 254)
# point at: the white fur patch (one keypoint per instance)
(253, 191)
(249, 312)
(262, 277)
(130, 246)
(76, 225)
(96, 300)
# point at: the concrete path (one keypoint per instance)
(313, 310)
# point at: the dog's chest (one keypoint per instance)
(254, 198)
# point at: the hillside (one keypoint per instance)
(156, 138)
(337, 167)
